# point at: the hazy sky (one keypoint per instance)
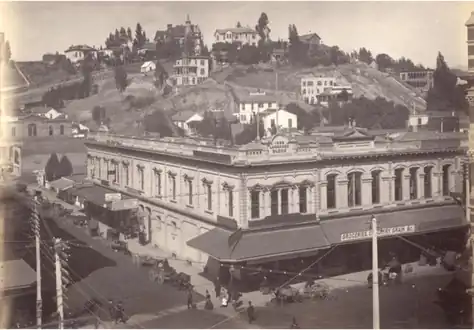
(417, 30)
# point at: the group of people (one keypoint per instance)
(117, 312)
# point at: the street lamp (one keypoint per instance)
(375, 276)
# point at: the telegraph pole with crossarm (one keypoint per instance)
(35, 223)
(375, 275)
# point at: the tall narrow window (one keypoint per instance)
(157, 183)
(126, 175)
(414, 183)
(190, 192)
(13, 131)
(284, 200)
(209, 196)
(331, 191)
(51, 131)
(99, 168)
(141, 178)
(274, 202)
(92, 167)
(116, 173)
(61, 129)
(446, 180)
(173, 187)
(255, 204)
(303, 199)
(427, 181)
(399, 184)
(354, 187)
(230, 202)
(376, 187)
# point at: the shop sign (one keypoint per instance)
(111, 197)
(125, 204)
(381, 232)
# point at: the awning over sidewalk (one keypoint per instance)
(61, 184)
(104, 197)
(261, 245)
(16, 274)
(403, 222)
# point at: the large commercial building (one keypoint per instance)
(288, 197)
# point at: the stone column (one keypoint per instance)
(323, 195)
(366, 190)
(437, 184)
(296, 199)
(279, 201)
(421, 184)
(341, 194)
(268, 202)
(406, 186)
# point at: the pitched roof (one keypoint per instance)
(246, 96)
(470, 21)
(183, 115)
(308, 37)
(75, 48)
(16, 274)
(236, 30)
(149, 46)
(62, 183)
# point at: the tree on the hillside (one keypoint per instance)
(140, 35)
(365, 55)
(121, 81)
(296, 54)
(87, 66)
(98, 115)
(306, 120)
(160, 75)
(446, 94)
(249, 133)
(51, 167)
(205, 51)
(337, 56)
(263, 31)
(123, 33)
(158, 122)
(64, 168)
(116, 35)
(129, 33)
(238, 25)
(248, 54)
(378, 113)
(384, 61)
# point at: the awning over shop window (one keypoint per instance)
(261, 245)
(403, 222)
(61, 184)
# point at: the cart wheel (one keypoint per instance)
(152, 275)
(160, 278)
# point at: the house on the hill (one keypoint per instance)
(311, 39)
(242, 35)
(191, 70)
(148, 66)
(278, 120)
(49, 113)
(422, 80)
(439, 121)
(148, 50)
(179, 33)
(78, 53)
(184, 120)
(249, 104)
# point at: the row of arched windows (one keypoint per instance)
(354, 185)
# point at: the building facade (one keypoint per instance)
(179, 33)
(78, 53)
(242, 35)
(191, 70)
(249, 104)
(194, 195)
(422, 80)
(279, 119)
(321, 89)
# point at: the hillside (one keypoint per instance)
(12, 78)
(365, 81)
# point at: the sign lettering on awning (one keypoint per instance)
(381, 232)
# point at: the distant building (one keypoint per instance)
(321, 89)
(242, 35)
(311, 39)
(280, 119)
(191, 70)
(147, 67)
(79, 52)
(184, 120)
(439, 121)
(248, 105)
(48, 112)
(179, 33)
(422, 80)
(79, 130)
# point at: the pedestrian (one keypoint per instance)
(120, 316)
(208, 295)
(209, 305)
(111, 310)
(251, 312)
(217, 287)
(294, 324)
(190, 299)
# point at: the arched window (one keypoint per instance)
(51, 131)
(354, 189)
(399, 184)
(427, 181)
(31, 129)
(376, 186)
(17, 157)
(414, 183)
(61, 129)
(446, 180)
(255, 204)
(331, 191)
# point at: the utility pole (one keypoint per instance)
(375, 276)
(35, 223)
(59, 282)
